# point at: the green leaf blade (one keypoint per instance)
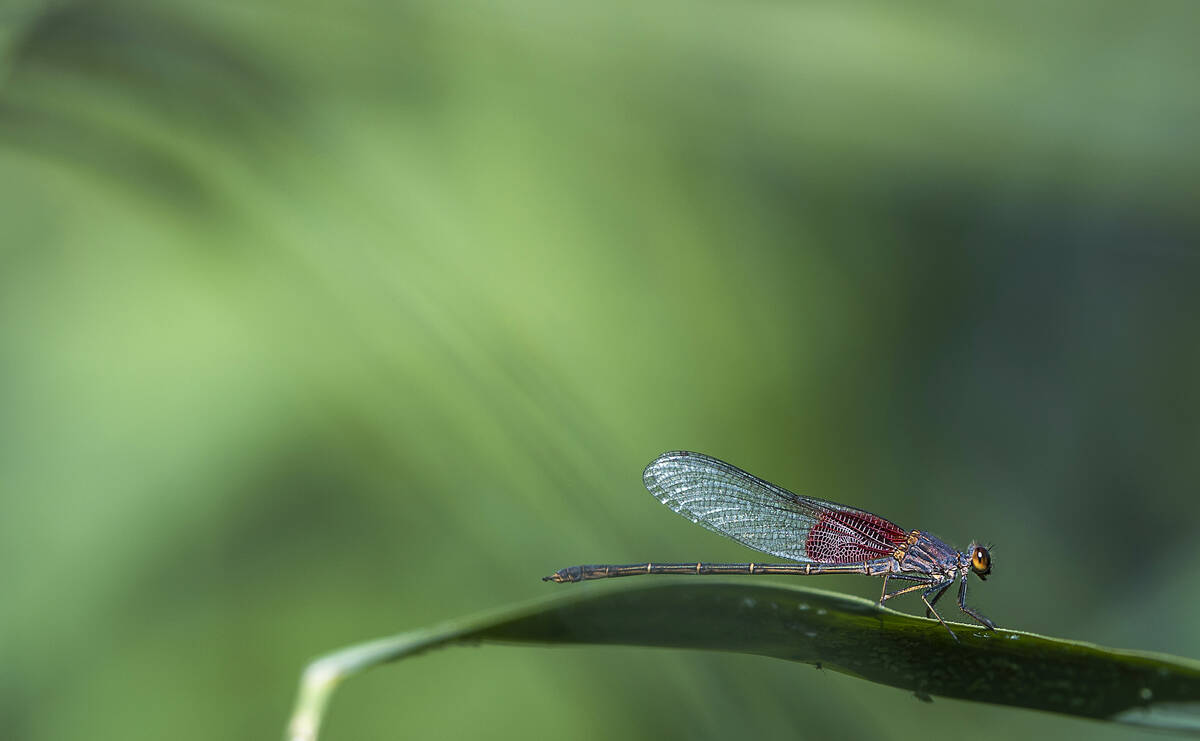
(838, 632)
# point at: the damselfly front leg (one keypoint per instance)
(962, 604)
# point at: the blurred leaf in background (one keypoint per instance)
(323, 322)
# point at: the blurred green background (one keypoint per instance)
(320, 322)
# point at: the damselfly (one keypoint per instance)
(821, 537)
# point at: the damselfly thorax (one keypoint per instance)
(821, 537)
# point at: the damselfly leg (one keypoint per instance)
(962, 604)
(936, 597)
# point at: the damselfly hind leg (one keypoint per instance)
(906, 590)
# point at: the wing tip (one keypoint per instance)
(655, 467)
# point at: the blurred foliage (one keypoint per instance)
(320, 321)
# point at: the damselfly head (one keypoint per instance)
(981, 561)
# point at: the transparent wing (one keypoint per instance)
(727, 500)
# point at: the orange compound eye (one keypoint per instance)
(981, 561)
